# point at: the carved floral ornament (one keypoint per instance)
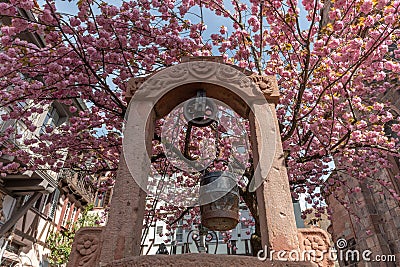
(316, 240)
(202, 71)
(314, 243)
(265, 83)
(87, 244)
(86, 247)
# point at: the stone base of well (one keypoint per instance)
(88, 245)
(201, 260)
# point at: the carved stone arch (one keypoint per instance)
(223, 82)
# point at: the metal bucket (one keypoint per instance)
(219, 201)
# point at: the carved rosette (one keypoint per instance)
(202, 69)
(87, 244)
(267, 85)
(86, 247)
(315, 243)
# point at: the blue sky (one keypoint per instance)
(212, 21)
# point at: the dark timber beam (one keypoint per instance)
(19, 213)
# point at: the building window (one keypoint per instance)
(65, 217)
(75, 210)
(159, 230)
(54, 118)
(54, 203)
(102, 199)
(99, 201)
(233, 247)
(12, 122)
(388, 129)
(179, 235)
(3, 124)
(44, 263)
(40, 204)
(13, 247)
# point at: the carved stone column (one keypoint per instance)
(275, 207)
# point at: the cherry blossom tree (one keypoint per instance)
(334, 62)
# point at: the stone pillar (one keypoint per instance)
(122, 235)
(123, 232)
(275, 207)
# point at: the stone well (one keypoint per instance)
(251, 96)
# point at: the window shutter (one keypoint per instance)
(54, 203)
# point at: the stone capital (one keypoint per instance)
(268, 86)
(132, 86)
